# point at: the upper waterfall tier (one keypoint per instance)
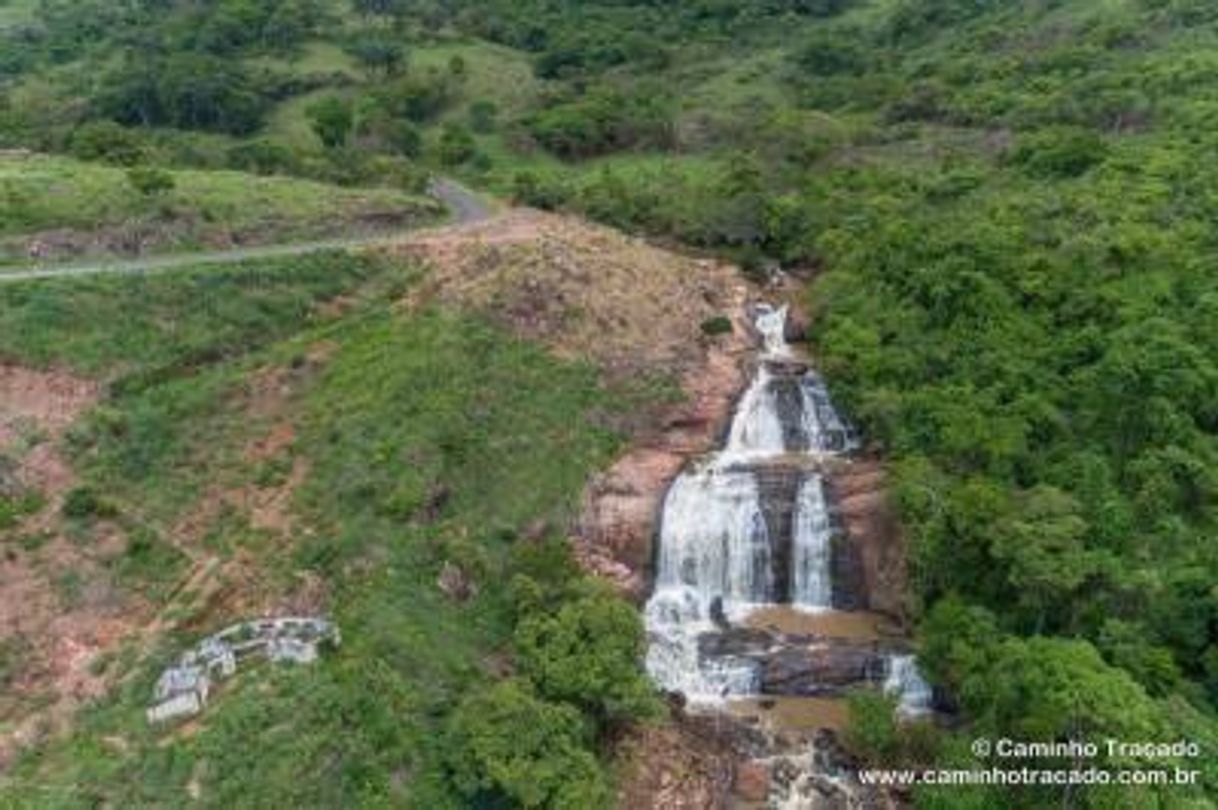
(786, 408)
(784, 412)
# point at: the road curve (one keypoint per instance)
(464, 207)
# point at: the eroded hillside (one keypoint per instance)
(388, 440)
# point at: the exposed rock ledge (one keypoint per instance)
(621, 506)
(876, 547)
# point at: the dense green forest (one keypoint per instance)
(1006, 209)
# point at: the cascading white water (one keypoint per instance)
(714, 539)
(772, 324)
(716, 549)
(718, 558)
(913, 693)
(756, 430)
(811, 584)
(714, 545)
(820, 420)
(676, 617)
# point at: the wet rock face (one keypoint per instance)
(850, 590)
(736, 642)
(822, 778)
(777, 487)
(821, 670)
(870, 566)
(798, 325)
(792, 665)
(789, 402)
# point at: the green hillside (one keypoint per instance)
(400, 480)
(58, 208)
(1005, 212)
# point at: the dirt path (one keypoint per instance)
(464, 207)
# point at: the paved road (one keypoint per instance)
(464, 206)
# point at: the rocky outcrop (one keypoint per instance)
(677, 766)
(850, 591)
(777, 487)
(621, 506)
(823, 777)
(803, 665)
(821, 670)
(798, 326)
(870, 561)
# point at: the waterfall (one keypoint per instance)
(714, 544)
(756, 429)
(750, 526)
(811, 585)
(772, 324)
(713, 538)
(913, 693)
(725, 543)
(820, 420)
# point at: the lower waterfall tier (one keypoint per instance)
(746, 535)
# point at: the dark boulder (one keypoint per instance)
(822, 670)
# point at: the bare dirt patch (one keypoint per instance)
(49, 399)
(56, 602)
(586, 291)
(59, 602)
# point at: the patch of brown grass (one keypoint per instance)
(586, 291)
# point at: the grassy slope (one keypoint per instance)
(493, 73)
(43, 193)
(402, 409)
(16, 12)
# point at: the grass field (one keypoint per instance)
(16, 12)
(94, 209)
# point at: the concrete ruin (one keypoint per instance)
(183, 688)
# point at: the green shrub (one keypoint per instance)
(15, 507)
(603, 120)
(504, 743)
(332, 119)
(261, 156)
(877, 735)
(873, 734)
(718, 325)
(549, 194)
(150, 181)
(588, 654)
(456, 145)
(482, 115)
(379, 54)
(107, 141)
(404, 139)
(83, 502)
(1060, 152)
